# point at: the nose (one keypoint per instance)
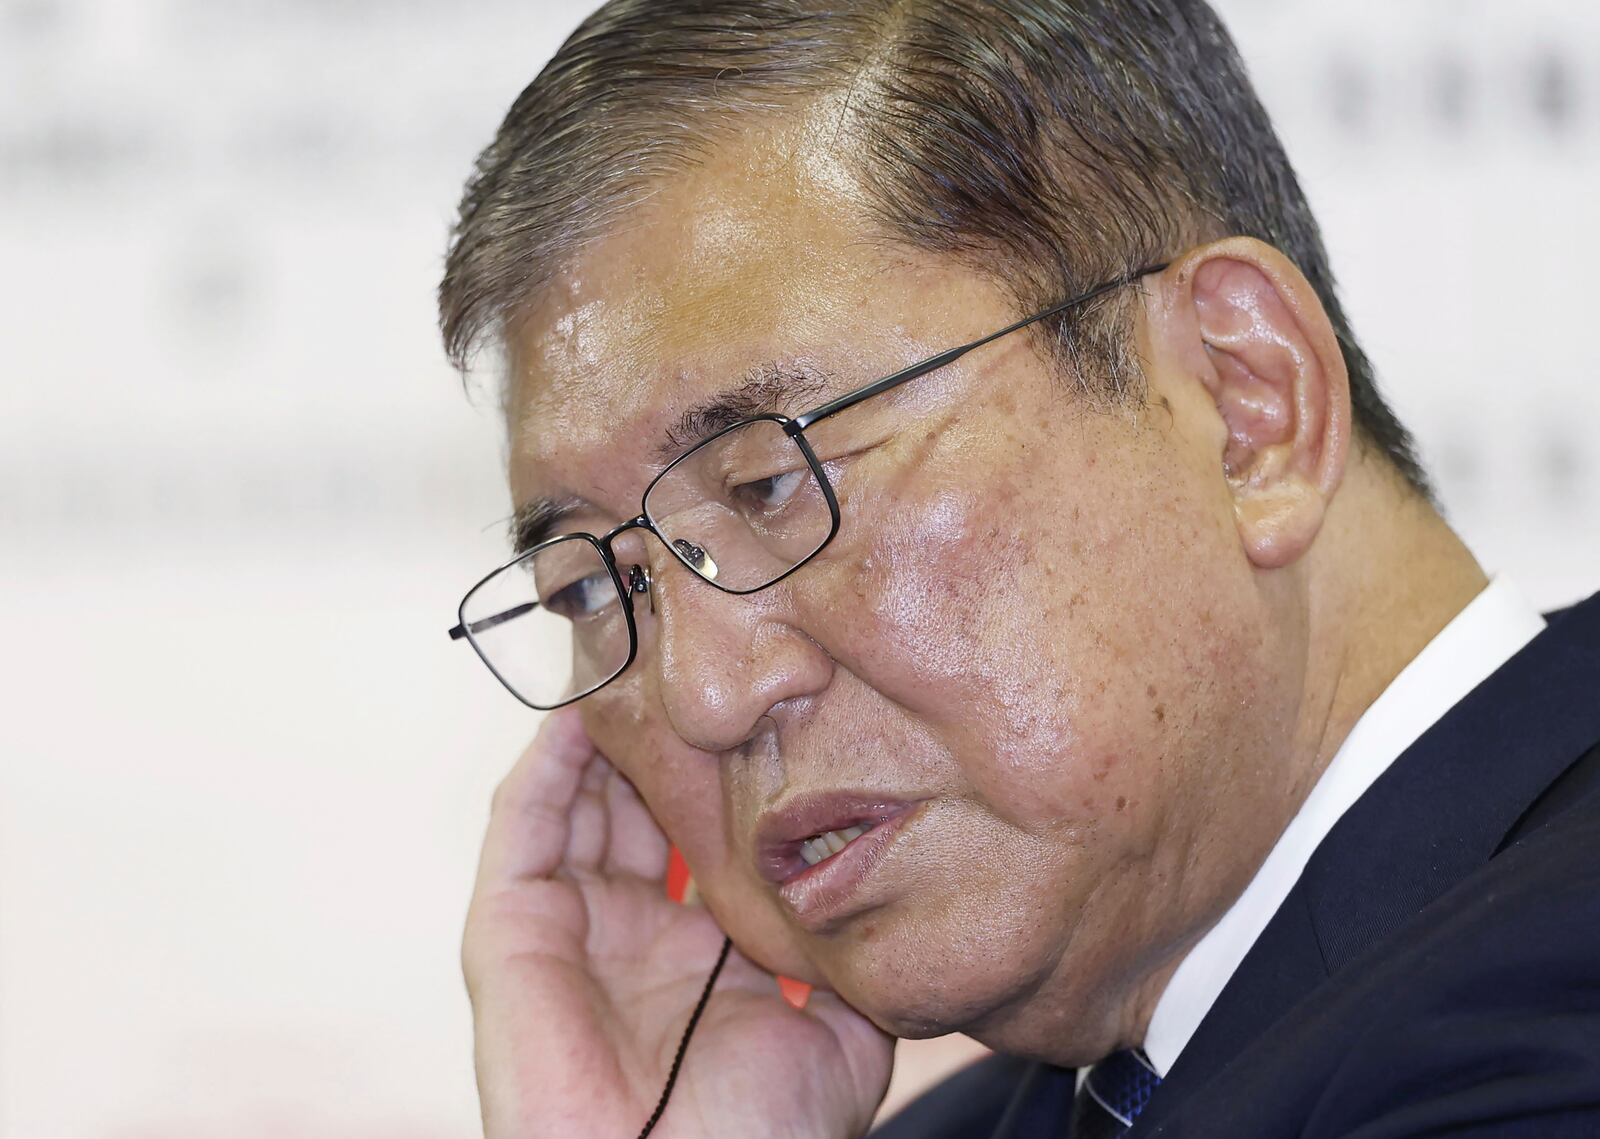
(724, 661)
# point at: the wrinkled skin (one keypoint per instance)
(1104, 647)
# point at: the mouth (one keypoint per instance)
(820, 850)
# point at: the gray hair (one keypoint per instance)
(1050, 144)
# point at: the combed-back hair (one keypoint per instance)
(1050, 144)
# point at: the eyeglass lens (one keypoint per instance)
(742, 509)
(551, 625)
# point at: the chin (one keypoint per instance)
(917, 984)
(761, 934)
(916, 1012)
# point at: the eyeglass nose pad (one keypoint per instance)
(697, 558)
(639, 582)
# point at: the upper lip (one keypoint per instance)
(783, 827)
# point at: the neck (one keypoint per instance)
(1387, 574)
(1392, 575)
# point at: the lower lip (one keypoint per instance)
(828, 891)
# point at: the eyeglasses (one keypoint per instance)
(741, 510)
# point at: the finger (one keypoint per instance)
(871, 1049)
(528, 820)
(589, 823)
(638, 846)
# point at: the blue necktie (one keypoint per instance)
(1113, 1094)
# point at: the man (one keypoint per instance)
(1110, 691)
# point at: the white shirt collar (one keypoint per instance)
(1493, 627)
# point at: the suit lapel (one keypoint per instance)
(1439, 812)
(1041, 1106)
(1283, 965)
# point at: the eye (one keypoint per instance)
(769, 493)
(583, 598)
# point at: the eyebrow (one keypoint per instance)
(537, 520)
(765, 389)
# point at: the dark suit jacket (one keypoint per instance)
(1436, 969)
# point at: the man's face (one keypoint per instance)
(1034, 655)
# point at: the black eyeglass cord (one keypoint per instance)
(683, 1045)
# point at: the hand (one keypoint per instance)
(583, 975)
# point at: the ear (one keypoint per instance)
(1243, 321)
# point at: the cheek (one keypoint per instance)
(1058, 629)
(925, 592)
(678, 783)
(947, 613)
(932, 593)
(681, 786)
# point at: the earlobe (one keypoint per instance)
(1278, 520)
(1268, 357)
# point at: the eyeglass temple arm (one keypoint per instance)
(850, 399)
(801, 422)
(490, 622)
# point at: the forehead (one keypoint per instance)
(761, 255)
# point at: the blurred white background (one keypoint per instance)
(242, 771)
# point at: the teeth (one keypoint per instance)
(821, 846)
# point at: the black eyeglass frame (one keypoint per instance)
(794, 427)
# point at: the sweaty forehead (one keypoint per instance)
(759, 256)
